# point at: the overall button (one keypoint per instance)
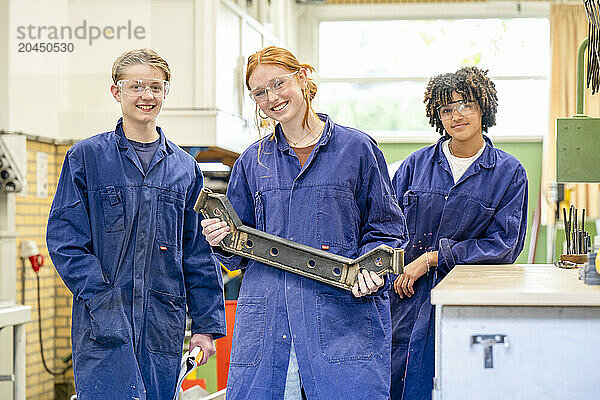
(284, 336)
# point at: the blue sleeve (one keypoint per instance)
(401, 181)
(382, 220)
(69, 236)
(504, 238)
(203, 278)
(400, 184)
(240, 197)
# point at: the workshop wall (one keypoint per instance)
(44, 162)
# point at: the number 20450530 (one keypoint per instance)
(45, 47)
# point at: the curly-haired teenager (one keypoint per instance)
(465, 202)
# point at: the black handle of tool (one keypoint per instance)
(571, 238)
(567, 231)
(575, 226)
(582, 242)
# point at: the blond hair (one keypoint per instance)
(139, 56)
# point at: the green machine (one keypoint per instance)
(578, 142)
(578, 138)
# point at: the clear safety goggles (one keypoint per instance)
(137, 87)
(275, 85)
(464, 108)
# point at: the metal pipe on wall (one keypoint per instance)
(20, 361)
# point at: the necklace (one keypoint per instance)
(295, 144)
(312, 141)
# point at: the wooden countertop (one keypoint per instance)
(514, 285)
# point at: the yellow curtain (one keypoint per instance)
(568, 28)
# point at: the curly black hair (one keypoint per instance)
(470, 82)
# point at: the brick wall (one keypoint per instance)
(31, 218)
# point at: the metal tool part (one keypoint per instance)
(291, 256)
(591, 270)
(488, 342)
(592, 8)
(578, 239)
(567, 229)
(565, 264)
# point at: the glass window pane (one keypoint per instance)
(522, 107)
(395, 109)
(423, 48)
(515, 51)
(380, 109)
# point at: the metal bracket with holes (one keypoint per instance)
(291, 256)
(488, 342)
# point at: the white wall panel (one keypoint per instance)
(66, 95)
(228, 61)
(173, 37)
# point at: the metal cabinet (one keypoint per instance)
(516, 332)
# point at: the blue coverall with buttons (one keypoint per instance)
(128, 245)
(482, 219)
(341, 200)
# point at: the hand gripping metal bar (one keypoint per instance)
(291, 256)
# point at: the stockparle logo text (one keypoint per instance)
(83, 31)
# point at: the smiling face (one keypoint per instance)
(288, 105)
(139, 109)
(466, 129)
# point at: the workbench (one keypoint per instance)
(540, 326)
(13, 384)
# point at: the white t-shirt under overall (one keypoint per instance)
(458, 165)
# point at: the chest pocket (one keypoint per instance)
(410, 203)
(112, 207)
(476, 219)
(337, 218)
(169, 221)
